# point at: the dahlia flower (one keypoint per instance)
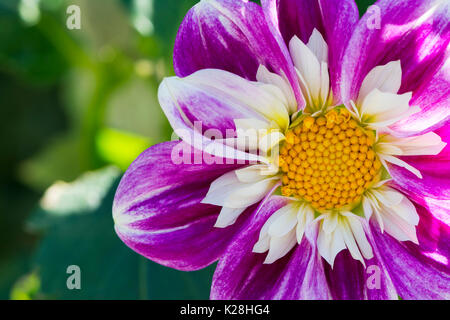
(314, 161)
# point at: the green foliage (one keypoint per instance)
(364, 4)
(26, 288)
(77, 227)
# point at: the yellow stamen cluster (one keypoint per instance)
(328, 161)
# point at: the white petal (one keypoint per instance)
(407, 211)
(262, 245)
(384, 107)
(308, 65)
(426, 144)
(401, 163)
(304, 218)
(385, 124)
(248, 132)
(243, 143)
(399, 219)
(228, 191)
(324, 83)
(330, 244)
(367, 207)
(337, 245)
(304, 87)
(388, 196)
(380, 221)
(350, 241)
(248, 194)
(280, 246)
(397, 227)
(386, 78)
(270, 140)
(227, 217)
(318, 46)
(381, 183)
(265, 76)
(252, 124)
(330, 222)
(251, 174)
(388, 148)
(360, 236)
(272, 218)
(223, 181)
(285, 222)
(353, 109)
(257, 97)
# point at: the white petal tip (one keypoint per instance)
(260, 247)
(220, 225)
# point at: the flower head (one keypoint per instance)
(321, 152)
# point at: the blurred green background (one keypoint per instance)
(77, 107)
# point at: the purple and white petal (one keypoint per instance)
(433, 190)
(157, 210)
(231, 35)
(418, 271)
(206, 104)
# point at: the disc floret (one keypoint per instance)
(329, 161)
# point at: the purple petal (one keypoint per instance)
(433, 97)
(416, 32)
(433, 190)
(334, 19)
(349, 280)
(232, 36)
(203, 106)
(157, 210)
(200, 98)
(241, 274)
(418, 271)
(433, 236)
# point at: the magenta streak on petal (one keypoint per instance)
(433, 190)
(157, 210)
(433, 97)
(348, 279)
(334, 19)
(193, 109)
(416, 32)
(195, 102)
(241, 274)
(416, 274)
(232, 36)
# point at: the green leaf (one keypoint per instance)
(26, 288)
(83, 235)
(363, 5)
(58, 160)
(119, 147)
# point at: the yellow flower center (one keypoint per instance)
(329, 161)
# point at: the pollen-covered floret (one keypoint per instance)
(329, 161)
